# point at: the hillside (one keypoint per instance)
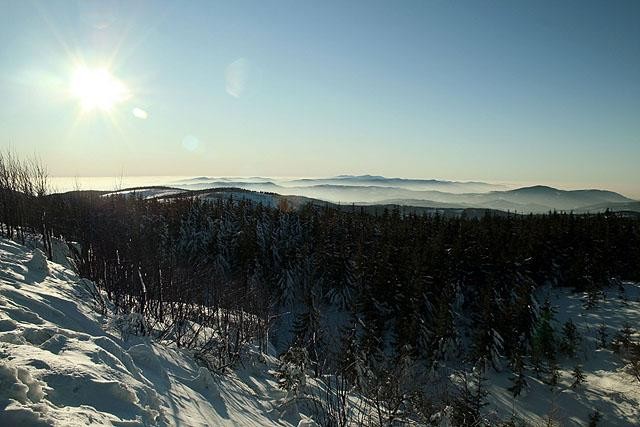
(609, 388)
(64, 364)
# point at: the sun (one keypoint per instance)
(97, 89)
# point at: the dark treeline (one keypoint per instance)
(373, 298)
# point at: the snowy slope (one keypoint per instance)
(63, 364)
(147, 193)
(609, 387)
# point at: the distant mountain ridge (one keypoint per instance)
(346, 190)
(535, 199)
(408, 183)
(343, 188)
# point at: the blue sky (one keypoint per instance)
(530, 92)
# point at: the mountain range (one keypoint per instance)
(423, 195)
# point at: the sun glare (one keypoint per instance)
(97, 89)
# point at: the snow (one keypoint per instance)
(269, 200)
(609, 388)
(63, 364)
(147, 193)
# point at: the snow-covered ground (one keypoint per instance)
(147, 193)
(609, 387)
(63, 364)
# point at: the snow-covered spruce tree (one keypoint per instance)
(291, 374)
(333, 248)
(197, 232)
(448, 325)
(265, 253)
(341, 292)
(259, 303)
(544, 341)
(519, 378)
(594, 418)
(287, 240)
(625, 334)
(488, 345)
(307, 327)
(570, 339)
(578, 376)
(226, 242)
(425, 326)
(521, 313)
(371, 315)
(554, 375)
(601, 336)
(594, 294)
(508, 313)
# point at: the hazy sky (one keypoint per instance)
(516, 91)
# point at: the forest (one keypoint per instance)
(387, 305)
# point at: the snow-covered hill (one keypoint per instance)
(63, 364)
(147, 192)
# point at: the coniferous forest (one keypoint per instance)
(384, 302)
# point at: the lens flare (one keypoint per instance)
(139, 113)
(237, 77)
(97, 89)
(190, 143)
